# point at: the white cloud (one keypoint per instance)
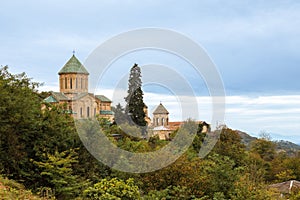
(275, 114)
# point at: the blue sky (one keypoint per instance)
(254, 44)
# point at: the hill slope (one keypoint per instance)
(281, 145)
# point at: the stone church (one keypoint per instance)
(162, 127)
(73, 91)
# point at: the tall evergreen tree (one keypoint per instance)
(120, 117)
(134, 100)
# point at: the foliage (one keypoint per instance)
(221, 174)
(134, 100)
(246, 187)
(171, 192)
(40, 149)
(19, 122)
(57, 173)
(113, 189)
(10, 189)
(119, 115)
(230, 145)
(265, 148)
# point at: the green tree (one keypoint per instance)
(134, 100)
(57, 173)
(19, 123)
(245, 188)
(230, 144)
(114, 189)
(221, 175)
(119, 114)
(171, 192)
(264, 147)
(184, 173)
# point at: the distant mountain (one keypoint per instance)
(281, 145)
(246, 138)
(287, 146)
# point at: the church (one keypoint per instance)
(80, 104)
(73, 92)
(162, 127)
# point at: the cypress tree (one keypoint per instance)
(134, 100)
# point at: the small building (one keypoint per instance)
(160, 122)
(162, 127)
(162, 132)
(160, 116)
(286, 188)
(73, 91)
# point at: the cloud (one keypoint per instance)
(279, 115)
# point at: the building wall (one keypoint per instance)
(147, 118)
(73, 83)
(85, 107)
(160, 120)
(104, 105)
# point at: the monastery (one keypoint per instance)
(73, 91)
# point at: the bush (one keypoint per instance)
(113, 189)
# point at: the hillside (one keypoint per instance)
(281, 145)
(10, 189)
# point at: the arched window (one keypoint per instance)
(86, 83)
(66, 83)
(71, 84)
(61, 83)
(80, 112)
(88, 111)
(76, 80)
(162, 121)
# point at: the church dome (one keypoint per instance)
(73, 66)
(160, 110)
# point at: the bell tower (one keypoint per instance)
(160, 116)
(73, 78)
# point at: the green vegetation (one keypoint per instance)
(41, 156)
(10, 189)
(134, 100)
(113, 189)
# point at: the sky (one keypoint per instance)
(255, 46)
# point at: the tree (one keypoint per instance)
(120, 117)
(57, 173)
(116, 189)
(230, 144)
(221, 175)
(134, 100)
(264, 147)
(19, 122)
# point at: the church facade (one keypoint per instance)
(73, 91)
(162, 127)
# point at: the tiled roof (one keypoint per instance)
(103, 98)
(80, 95)
(73, 66)
(50, 99)
(160, 110)
(285, 187)
(106, 112)
(59, 96)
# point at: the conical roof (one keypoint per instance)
(160, 110)
(73, 66)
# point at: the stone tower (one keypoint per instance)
(73, 78)
(160, 116)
